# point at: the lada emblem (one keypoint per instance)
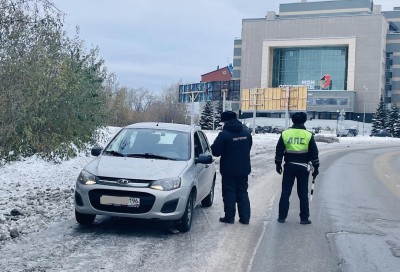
(123, 181)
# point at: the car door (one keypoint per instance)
(203, 172)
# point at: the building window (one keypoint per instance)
(319, 68)
(328, 101)
(343, 101)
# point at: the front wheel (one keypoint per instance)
(185, 223)
(209, 199)
(83, 218)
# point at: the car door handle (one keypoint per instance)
(206, 166)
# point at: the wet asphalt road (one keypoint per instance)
(355, 213)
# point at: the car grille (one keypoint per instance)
(146, 201)
(138, 183)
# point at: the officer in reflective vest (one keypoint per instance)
(298, 147)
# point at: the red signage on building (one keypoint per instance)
(325, 82)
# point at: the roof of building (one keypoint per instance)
(230, 68)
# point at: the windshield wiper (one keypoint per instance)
(149, 156)
(114, 153)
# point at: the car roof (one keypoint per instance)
(166, 126)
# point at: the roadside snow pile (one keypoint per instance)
(33, 210)
(35, 193)
(326, 139)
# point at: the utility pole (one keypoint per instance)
(365, 93)
(341, 117)
(337, 121)
(193, 95)
(287, 108)
(254, 93)
(213, 114)
(224, 92)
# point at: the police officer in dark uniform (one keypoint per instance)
(298, 147)
(233, 144)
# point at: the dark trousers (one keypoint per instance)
(290, 173)
(234, 190)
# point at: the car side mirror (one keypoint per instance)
(204, 159)
(96, 150)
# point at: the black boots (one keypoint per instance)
(226, 220)
(303, 222)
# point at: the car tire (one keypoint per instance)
(185, 223)
(84, 219)
(209, 199)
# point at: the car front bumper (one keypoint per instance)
(154, 204)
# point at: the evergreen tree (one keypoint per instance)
(206, 118)
(393, 118)
(396, 129)
(217, 115)
(394, 121)
(379, 119)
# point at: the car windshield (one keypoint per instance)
(150, 144)
(344, 131)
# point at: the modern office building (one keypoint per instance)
(347, 53)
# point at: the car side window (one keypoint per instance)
(197, 146)
(204, 143)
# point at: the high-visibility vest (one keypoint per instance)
(296, 140)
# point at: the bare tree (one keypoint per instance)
(167, 108)
(141, 99)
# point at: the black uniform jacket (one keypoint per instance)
(233, 144)
(311, 155)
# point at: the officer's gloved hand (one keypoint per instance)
(279, 168)
(315, 171)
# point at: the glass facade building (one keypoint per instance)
(319, 68)
(347, 53)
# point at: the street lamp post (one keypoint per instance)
(337, 121)
(365, 92)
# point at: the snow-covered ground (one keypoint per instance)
(35, 193)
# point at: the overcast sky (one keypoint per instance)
(152, 44)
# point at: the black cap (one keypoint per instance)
(299, 118)
(228, 115)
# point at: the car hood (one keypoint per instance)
(135, 168)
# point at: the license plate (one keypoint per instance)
(120, 201)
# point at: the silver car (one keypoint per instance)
(151, 171)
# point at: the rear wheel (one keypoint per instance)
(185, 223)
(209, 199)
(84, 219)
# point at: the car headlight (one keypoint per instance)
(166, 184)
(86, 178)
